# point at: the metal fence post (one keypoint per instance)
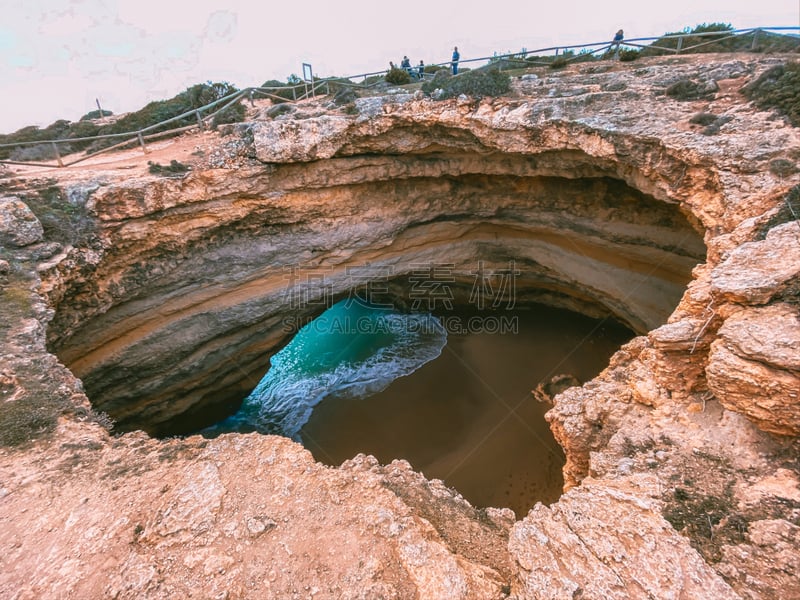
(58, 155)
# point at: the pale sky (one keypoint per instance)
(57, 56)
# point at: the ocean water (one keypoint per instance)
(350, 351)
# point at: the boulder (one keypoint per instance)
(19, 227)
(754, 367)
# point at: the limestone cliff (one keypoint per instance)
(682, 465)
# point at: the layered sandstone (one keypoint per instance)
(680, 456)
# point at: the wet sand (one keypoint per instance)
(468, 417)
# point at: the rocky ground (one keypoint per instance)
(682, 474)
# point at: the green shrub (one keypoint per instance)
(559, 62)
(95, 114)
(174, 168)
(58, 130)
(38, 153)
(788, 211)
(279, 109)
(374, 80)
(284, 93)
(205, 93)
(585, 55)
(779, 88)
(477, 83)
(161, 110)
(687, 89)
(438, 80)
(703, 118)
(710, 27)
(670, 40)
(782, 167)
(628, 55)
(235, 113)
(344, 96)
(337, 84)
(766, 41)
(397, 76)
(509, 60)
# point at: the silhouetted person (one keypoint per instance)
(454, 61)
(406, 64)
(618, 37)
(420, 69)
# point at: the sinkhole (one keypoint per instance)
(450, 391)
(174, 337)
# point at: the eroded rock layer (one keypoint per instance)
(191, 292)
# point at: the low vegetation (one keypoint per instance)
(628, 54)
(789, 211)
(63, 221)
(763, 41)
(688, 89)
(397, 76)
(779, 88)
(96, 114)
(173, 168)
(477, 83)
(234, 113)
(279, 91)
(160, 110)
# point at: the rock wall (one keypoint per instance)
(194, 305)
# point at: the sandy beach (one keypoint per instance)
(468, 417)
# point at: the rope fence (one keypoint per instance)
(304, 90)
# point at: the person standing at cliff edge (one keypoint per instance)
(454, 62)
(618, 37)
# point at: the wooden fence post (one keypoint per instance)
(58, 155)
(755, 39)
(680, 45)
(141, 142)
(199, 119)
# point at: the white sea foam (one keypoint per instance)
(284, 399)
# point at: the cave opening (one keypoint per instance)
(185, 332)
(449, 389)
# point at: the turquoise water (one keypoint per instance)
(350, 351)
